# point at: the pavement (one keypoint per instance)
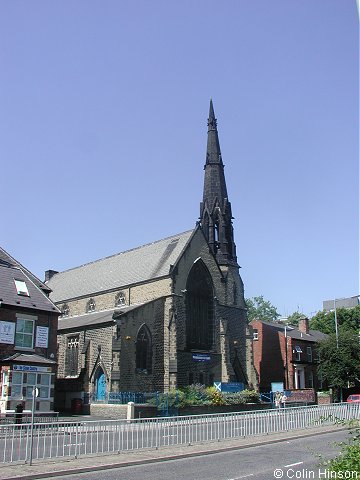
(70, 466)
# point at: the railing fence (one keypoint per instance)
(74, 439)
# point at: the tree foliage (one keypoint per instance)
(261, 309)
(349, 458)
(347, 319)
(294, 318)
(340, 364)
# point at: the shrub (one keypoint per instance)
(216, 397)
(238, 398)
(349, 458)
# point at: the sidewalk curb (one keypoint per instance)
(163, 458)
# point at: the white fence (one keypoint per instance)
(22, 443)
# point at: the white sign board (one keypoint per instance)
(7, 332)
(42, 337)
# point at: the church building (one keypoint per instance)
(160, 316)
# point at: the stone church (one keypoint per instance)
(160, 316)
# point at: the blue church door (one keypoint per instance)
(101, 386)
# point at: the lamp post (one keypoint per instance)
(336, 325)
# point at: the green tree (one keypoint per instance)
(339, 364)
(347, 319)
(294, 318)
(259, 308)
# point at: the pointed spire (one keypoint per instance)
(213, 152)
(215, 209)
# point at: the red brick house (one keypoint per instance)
(28, 338)
(285, 354)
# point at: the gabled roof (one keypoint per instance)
(7, 259)
(140, 264)
(295, 333)
(36, 300)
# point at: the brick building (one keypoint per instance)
(159, 316)
(284, 354)
(28, 333)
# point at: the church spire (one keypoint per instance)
(215, 209)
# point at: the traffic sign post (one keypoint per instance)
(35, 393)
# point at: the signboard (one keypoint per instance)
(42, 337)
(229, 387)
(31, 368)
(277, 386)
(7, 332)
(201, 357)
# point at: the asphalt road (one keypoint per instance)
(291, 459)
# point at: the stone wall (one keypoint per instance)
(134, 294)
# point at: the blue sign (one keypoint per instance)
(229, 387)
(201, 357)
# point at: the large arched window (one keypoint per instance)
(143, 350)
(199, 308)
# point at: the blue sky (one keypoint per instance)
(103, 108)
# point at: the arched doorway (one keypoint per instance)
(100, 385)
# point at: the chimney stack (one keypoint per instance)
(49, 274)
(304, 325)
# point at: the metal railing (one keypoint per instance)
(74, 439)
(25, 417)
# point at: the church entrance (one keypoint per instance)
(100, 386)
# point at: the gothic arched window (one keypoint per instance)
(199, 308)
(65, 310)
(90, 306)
(143, 350)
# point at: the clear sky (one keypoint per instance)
(103, 109)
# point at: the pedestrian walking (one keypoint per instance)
(283, 400)
(277, 399)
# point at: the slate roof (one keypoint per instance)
(94, 318)
(28, 358)
(37, 300)
(293, 332)
(140, 264)
(88, 319)
(7, 259)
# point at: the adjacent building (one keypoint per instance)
(28, 333)
(287, 355)
(159, 316)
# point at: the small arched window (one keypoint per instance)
(65, 310)
(90, 306)
(120, 299)
(143, 350)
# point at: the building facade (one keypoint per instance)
(28, 339)
(284, 354)
(160, 316)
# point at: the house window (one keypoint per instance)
(255, 334)
(24, 337)
(309, 354)
(298, 353)
(310, 380)
(120, 299)
(90, 306)
(72, 356)
(143, 350)
(22, 384)
(65, 310)
(21, 288)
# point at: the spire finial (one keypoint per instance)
(212, 122)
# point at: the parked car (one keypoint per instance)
(354, 398)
